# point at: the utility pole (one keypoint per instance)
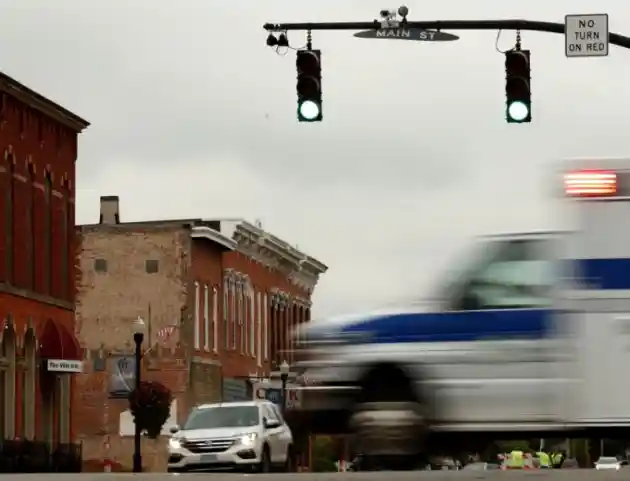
(514, 24)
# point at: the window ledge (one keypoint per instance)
(26, 294)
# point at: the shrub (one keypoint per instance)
(150, 406)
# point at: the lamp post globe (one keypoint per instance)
(137, 328)
(284, 368)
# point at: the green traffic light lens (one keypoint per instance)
(309, 110)
(518, 111)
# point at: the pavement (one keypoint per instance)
(542, 475)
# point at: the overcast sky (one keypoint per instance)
(192, 115)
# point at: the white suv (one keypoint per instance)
(250, 435)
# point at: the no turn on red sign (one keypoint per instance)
(586, 35)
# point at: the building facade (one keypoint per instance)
(223, 295)
(38, 151)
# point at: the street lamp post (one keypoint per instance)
(284, 376)
(138, 337)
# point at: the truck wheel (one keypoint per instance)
(388, 421)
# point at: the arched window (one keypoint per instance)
(8, 381)
(29, 385)
(64, 247)
(48, 244)
(29, 251)
(9, 227)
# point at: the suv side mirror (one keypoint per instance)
(268, 424)
(174, 429)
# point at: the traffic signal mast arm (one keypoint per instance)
(516, 24)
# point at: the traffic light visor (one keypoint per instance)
(517, 63)
(307, 87)
(517, 88)
(307, 61)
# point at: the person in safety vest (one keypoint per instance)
(556, 460)
(545, 459)
(515, 460)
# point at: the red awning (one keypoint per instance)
(57, 342)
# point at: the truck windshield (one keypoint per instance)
(223, 417)
(511, 274)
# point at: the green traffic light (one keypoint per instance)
(309, 110)
(517, 111)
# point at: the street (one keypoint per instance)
(568, 474)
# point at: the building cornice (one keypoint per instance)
(302, 270)
(38, 102)
(202, 232)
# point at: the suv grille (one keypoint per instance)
(208, 445)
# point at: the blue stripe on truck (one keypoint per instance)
(454, 326)
(604, 274)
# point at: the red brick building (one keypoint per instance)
(38, 151)
(224, 294)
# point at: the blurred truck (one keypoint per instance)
(527, 342)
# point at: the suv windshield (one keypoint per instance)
(223, 417)
(607, 461)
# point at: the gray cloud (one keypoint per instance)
(413, 157)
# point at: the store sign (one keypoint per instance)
(59, 365)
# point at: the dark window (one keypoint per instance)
(514, 274)
(64, 246)
(48, 245)
(100, 265)
(8, 216)
(30, 228)
(152, 266)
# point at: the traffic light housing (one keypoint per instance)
(518, 107)
(309, 85)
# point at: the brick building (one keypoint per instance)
(222, 294)
(38, 150)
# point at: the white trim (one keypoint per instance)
(62, 365)
(252, 322)
(233, 316)
(226, 311)
(259, 328)
(215, 320)
(196, 318)
(202, 232)
(265, 327)
(206, 319)
(240, 317)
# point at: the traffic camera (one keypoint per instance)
(309, 85)
(517, 86)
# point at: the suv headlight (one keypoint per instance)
(248, 439)
(175, 443)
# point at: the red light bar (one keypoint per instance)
(589, 183)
